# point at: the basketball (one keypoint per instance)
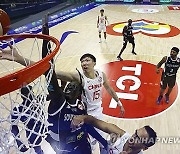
(4, 22)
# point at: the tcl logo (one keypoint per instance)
(137, 85)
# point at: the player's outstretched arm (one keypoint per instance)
(91, 130)
(102, 125)
(68, 76)
(53, 88)
(12, 54)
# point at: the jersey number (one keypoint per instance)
(171, 70)
(96, 95)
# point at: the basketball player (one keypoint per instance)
(120, 141)
(61, 114)
(101, 24)
(127, 37)
(62, 108)
(22, 114)
(168, 77)
(92, 81)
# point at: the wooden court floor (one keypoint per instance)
(149, 49)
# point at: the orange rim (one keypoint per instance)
(28, 74)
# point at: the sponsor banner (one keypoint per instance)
(174, 7)
(36, 27)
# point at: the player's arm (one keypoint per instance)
(55, 92)
(91, 130)
(102, 125)
(124, 32)
(68, 76)
(12, 54)
(163, 60)
(98, 22)
(111, 91)
(107, 20)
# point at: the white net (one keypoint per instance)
(23, 112)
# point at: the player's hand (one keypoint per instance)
(122, 110)
(113, 137)
(9, 54)
(157, 70)
(77, 122)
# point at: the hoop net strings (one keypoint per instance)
(32, 110)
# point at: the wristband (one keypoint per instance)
(119, 103)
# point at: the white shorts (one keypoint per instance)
(97, 113)
(102, 28)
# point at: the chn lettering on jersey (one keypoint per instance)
(94, 86)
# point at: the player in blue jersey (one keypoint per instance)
(168, 77)
(62, 108)
(127, 37)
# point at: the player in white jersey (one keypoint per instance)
(101, 24)
(120, 141)
(93, 93)
(92, 81)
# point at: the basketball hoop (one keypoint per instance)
(13, 78)
(20, 78)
